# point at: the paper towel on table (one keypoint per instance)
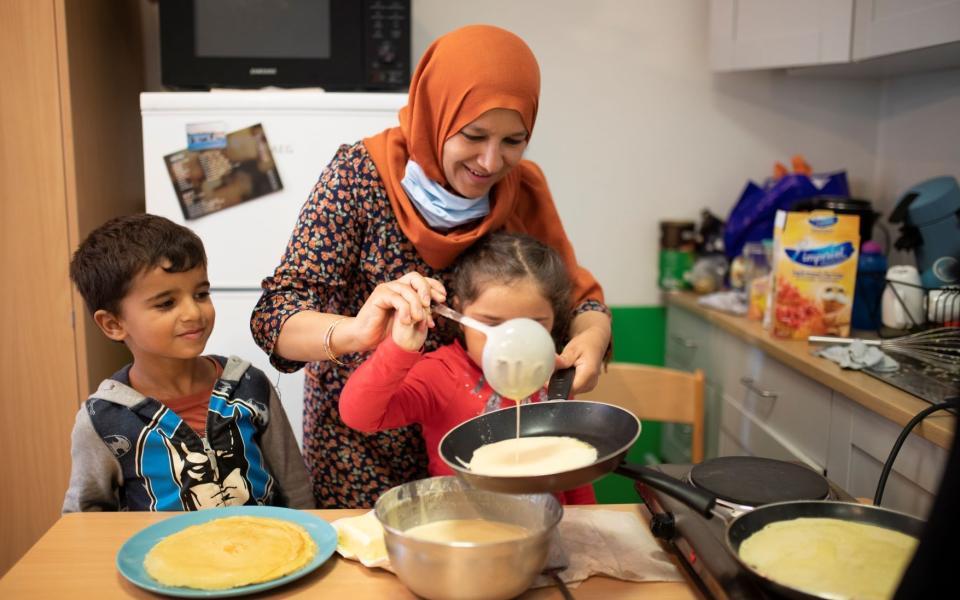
(607, 542)
(590, 542)
(732, 302)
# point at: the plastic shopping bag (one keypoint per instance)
(751, 219)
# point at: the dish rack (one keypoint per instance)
(940, 308)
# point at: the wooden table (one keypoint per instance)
(75, 559)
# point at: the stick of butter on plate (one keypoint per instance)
(361, 538)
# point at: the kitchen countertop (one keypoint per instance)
(76, 559)
(873, 394)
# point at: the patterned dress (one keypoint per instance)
(346, 242)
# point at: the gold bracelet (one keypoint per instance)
(327, 337)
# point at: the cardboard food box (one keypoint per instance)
(814, 273)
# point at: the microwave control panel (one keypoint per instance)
(388, 44)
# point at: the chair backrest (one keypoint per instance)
(655, 394)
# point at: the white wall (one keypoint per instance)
(919, 132)
(634, 128)
(918, 138)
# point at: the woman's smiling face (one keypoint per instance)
(484, 151)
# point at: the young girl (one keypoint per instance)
(503, 276)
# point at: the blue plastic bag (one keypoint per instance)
(751, 219)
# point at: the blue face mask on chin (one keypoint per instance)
(441, 209)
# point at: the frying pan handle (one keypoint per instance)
(696, 499)
(560, 384)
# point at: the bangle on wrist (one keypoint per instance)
(327, 337)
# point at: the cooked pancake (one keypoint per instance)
(230, 552)
(531, 456)
(830, 557)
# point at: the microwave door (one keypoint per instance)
(337, 45)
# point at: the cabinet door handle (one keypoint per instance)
(684, 341)
(751, 384)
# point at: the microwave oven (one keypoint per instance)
(338, 45)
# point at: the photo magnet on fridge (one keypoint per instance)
(212, 179)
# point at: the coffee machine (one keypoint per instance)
(929, 215)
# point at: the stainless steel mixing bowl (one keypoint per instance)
(465, 571)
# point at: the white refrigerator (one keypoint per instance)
(244, 242)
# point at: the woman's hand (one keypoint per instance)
(402, 305)
(586, 349)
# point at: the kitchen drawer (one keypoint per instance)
(688, 341)
(786, 402)
(730, 446)
(732, 358)
(860, 442)
(743, 433)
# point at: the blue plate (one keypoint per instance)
(131, 554)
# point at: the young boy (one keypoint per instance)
(173, 430)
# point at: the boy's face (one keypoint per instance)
(164, 315)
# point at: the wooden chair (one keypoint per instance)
(655, 394)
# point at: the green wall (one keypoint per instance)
(638, 337)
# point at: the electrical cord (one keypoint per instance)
(949, 403)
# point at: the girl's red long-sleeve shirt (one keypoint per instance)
(438, 390)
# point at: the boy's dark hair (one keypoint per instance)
(107, 261)
(501, 258)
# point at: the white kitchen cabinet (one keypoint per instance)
(688, 341)
(884, 27)
(858, 37)
(769, 409)
(861, 440)
(764, 407)
(761, 34)
(688, 348)
(745, 433)
(792, 409)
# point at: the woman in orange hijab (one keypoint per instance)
(381, 230)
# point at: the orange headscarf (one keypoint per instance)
(462, 75)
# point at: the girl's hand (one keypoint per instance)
(410, 337)
(404, 302)
(586, 349)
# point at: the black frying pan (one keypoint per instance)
(612, 431)
(745, 525)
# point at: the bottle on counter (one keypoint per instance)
(677, 243)
(871, 278)
(756, 258)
